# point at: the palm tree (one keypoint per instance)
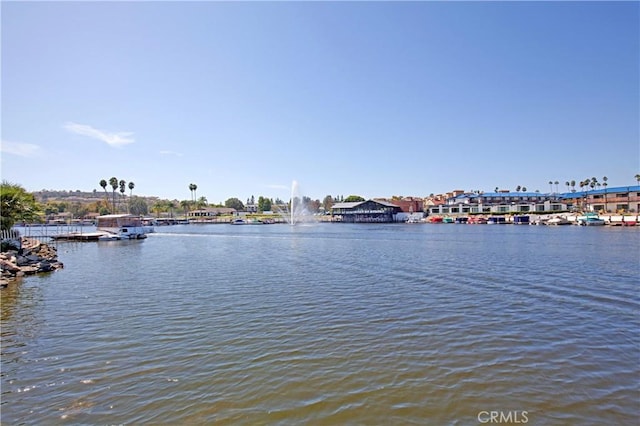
(584, 197)
(103, 184)
(114, 185)
(637, 178)
(605, 184)
(567, 184)
(551, 185)
(123, 188)
(131, 186)
(185, 206)
(171, 205)
(518, 188)
(192, 188)
(524, 189)
(573, 186)
(202, 202)
(556, 183)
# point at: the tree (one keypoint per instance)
(123, 188)
(171, 205)
(518, 188)
(637, 178)
(185, 206)
(138, 206)
(314, 206)
(234, 203)
(264, 204)
(114, 185)
(131, 186)
(103, 184)
(556, 183)
(16, 204)
(353, 198)
(605, 184)
(567, 184)
(192, 188)
(202, 202)
(327, 202)
(551, 185)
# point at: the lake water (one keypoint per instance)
(330, 324)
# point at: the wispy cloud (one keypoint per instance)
(177, 154)
(19, 148)
(113, 139)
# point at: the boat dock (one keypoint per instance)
(78, 236)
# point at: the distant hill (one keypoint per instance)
(46, 195)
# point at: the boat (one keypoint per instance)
(558, 220)
(496, 220)
(590, 219)
(247, 222)
(462, 219)
(476, 220)
(540, 221)
(435, 219)
(120, 226)
(447, 220)
(521, 220)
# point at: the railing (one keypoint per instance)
(12, 236)
(9, 234)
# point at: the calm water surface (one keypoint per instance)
(330, 324)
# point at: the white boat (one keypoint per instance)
(120, 226)
(540, 221)
(590, 219)
(247, 222)
(558, 220)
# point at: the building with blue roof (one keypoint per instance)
(623, 199)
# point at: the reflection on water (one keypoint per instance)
(329, 324)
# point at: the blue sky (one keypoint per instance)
(368, 98)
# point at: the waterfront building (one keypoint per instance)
(622, 199)
(210, 212)
(370, 211)
(502, 202)
(610, 200)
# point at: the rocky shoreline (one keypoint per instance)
(33, 258)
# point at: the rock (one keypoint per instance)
(29, 270)
(33, 258)
(9, 266)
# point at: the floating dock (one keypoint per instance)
(78, 236)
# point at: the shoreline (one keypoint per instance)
(33, 257)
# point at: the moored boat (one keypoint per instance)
(558, 220)
(121, 226)
(475, 220)
(521, 220)
(590, 219)
(496, 220)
